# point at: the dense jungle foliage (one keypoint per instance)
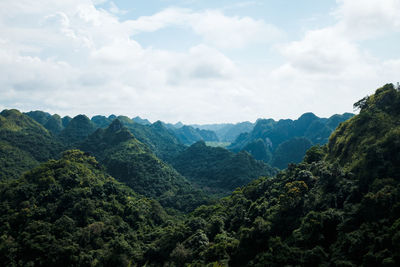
(23, 143)
(69, 212)
(339, 207)
(131, 162)
(217, 170)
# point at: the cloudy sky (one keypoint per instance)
(196, 61)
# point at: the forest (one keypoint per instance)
(119, 191)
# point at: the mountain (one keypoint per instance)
(77, 130)
(268, 134)
(40, 116)
(68, 212)
(132, 162)
(23, 143)
(139, 120)
(218, 170)
(339, 207)
(157, 137)
(101, 121)
(189, 135)
(290, 151)
(14, 161)
(227, 132)
(54, 123)
(160, 141)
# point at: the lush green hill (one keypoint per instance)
(54, 123)
(340, 207)
(267, 136)
(218, 170)
(161, 141)
(70, 213)
(23, 143)
(290, 151)
(14, 161)
(77, 130)
(132, 163)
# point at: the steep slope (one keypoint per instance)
(139, 120)
(40, 116)
(160, 141)
(23, 143)
(267, 135)
(101, 121)
(369, 144)
(77, 130)
(189, 135)
(14, 161)
(227, 132)
(291, 151)
(53, 123)
(70, 213)
(131, 162)
(217, 170)
(340, 207)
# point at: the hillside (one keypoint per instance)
(70, 213)
(267, 135)
(189, 135)
(53, 123)
(159, 139)
(131, 162)
(23, 143)
(227, 132)
(340, 207)
(77, 130)
(218, 170)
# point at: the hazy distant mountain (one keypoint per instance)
(268, 134)
(189, 135)
(101, 121)
(139, 120)
(227, 132)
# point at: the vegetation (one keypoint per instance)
(131, 162)
(77, 130)
(339, 207)
(160, 141)
(290, 151)
(20, 131)
(217, 170)
(188, 135)
(268, 135)
(69, 212)
(227, 132)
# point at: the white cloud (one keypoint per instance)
(70, 57)
(216, 28)
(368, 18)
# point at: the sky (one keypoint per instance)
(196, 61)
